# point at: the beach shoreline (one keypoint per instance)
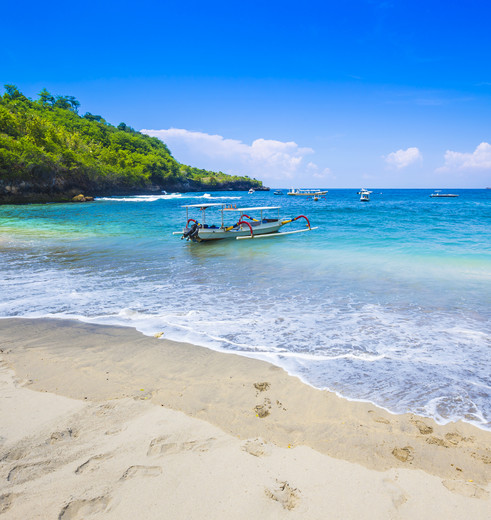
(255, 410)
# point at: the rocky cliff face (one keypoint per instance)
(59, 189)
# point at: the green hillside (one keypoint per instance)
(48, 152)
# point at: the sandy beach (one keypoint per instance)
(103, 422)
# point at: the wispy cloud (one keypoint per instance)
(478, 160)
(403, 158)
(266, 159)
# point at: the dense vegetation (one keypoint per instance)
(46, 145)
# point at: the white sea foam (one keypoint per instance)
(170, 196)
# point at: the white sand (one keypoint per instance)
(90, 428)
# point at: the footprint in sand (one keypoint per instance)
(454, 438)
(287, 496)
(423, 428)
(83, 509)
(64, 435)
(466, 489)
(378, 418)
(450, 441)
(437, 441)
(24, 472)
(6, 502)
(141, 471)
(263, 410)
(484, 458)
(91, 464)
(257, 447)
(15, 454)
(403, 454)
(161, 446)
(262, 387)
(396, 492)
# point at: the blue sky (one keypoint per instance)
(326, 94)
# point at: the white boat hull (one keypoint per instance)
(308, 194)
(205, 234)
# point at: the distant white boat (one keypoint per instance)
(438, 193)
(306, 192)
(251, 191)
(364, 195)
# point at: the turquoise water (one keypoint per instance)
(388, 301)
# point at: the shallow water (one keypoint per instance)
(388, 301)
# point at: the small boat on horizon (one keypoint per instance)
(278, 192)
(364, 195)
(245, 226)
(437, 193)
(251, 191)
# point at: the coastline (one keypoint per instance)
(251, 417)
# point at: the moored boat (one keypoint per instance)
(306, 192)
(245, 226)
(364, 195)
(438, 193)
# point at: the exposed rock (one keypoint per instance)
(57, 188)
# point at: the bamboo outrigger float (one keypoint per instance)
(246, 227)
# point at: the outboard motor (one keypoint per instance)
(191, 232)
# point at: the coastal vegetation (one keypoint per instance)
(48, 152)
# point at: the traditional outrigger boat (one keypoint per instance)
(246, 227)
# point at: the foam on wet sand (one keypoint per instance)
(105, 422)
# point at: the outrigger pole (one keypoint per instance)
(278, 234)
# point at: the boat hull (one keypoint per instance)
(207, 234)
(310, 194)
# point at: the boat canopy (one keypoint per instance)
(221, 204)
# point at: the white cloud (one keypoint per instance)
(318, 174)
(479, 159)
(403, 158)
(264, 159)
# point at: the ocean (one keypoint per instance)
(388, 301)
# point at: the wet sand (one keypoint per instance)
(105, 422)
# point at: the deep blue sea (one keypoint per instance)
(388, 301)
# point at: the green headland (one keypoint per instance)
(50, 153)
